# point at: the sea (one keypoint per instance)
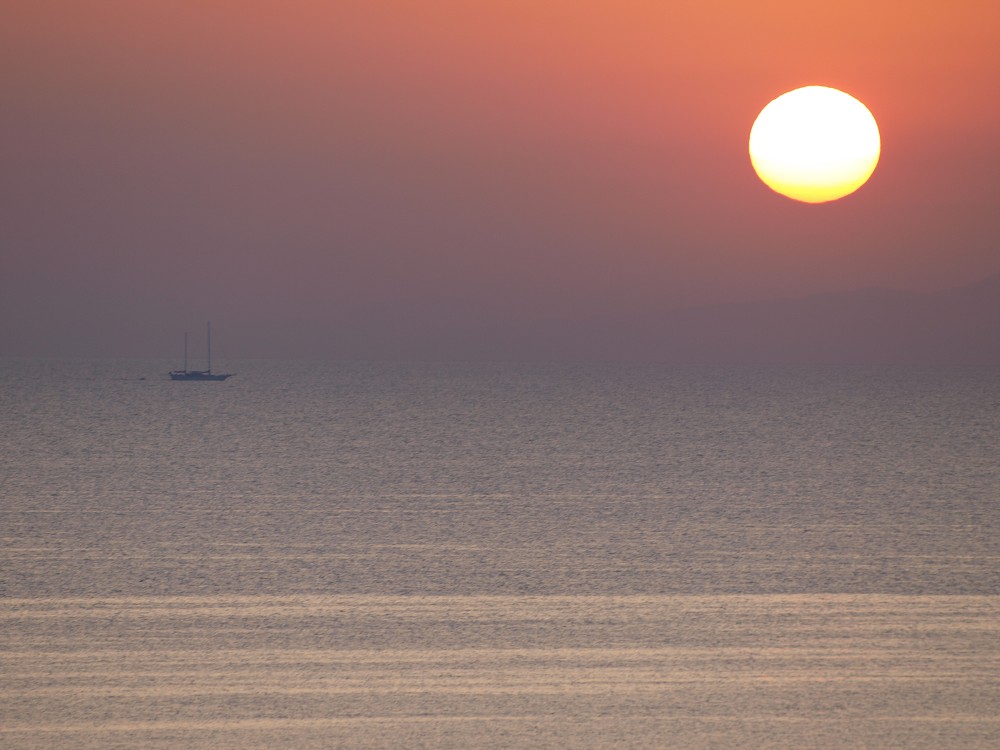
(495, 555)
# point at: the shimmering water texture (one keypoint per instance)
(384, 556)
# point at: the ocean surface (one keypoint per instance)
(323, 555)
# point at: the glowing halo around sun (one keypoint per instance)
(815, 144)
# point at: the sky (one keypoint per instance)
(385, 179)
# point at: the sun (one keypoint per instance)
(815, 144)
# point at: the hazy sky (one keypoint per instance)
(390, 178)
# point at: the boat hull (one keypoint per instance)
(198, 375)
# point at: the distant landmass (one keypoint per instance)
(960, 326)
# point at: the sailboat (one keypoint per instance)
(205, 374)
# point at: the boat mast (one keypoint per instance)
(209, 337)
(185, 351)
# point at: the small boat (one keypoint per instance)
(205, 374)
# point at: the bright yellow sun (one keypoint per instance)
(815, 144)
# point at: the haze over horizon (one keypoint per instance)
(498, 180)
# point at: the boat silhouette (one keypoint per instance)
(205, 374)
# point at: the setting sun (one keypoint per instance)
(815, 144)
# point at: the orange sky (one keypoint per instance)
(369, 173)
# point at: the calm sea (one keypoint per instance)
(498, 556)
